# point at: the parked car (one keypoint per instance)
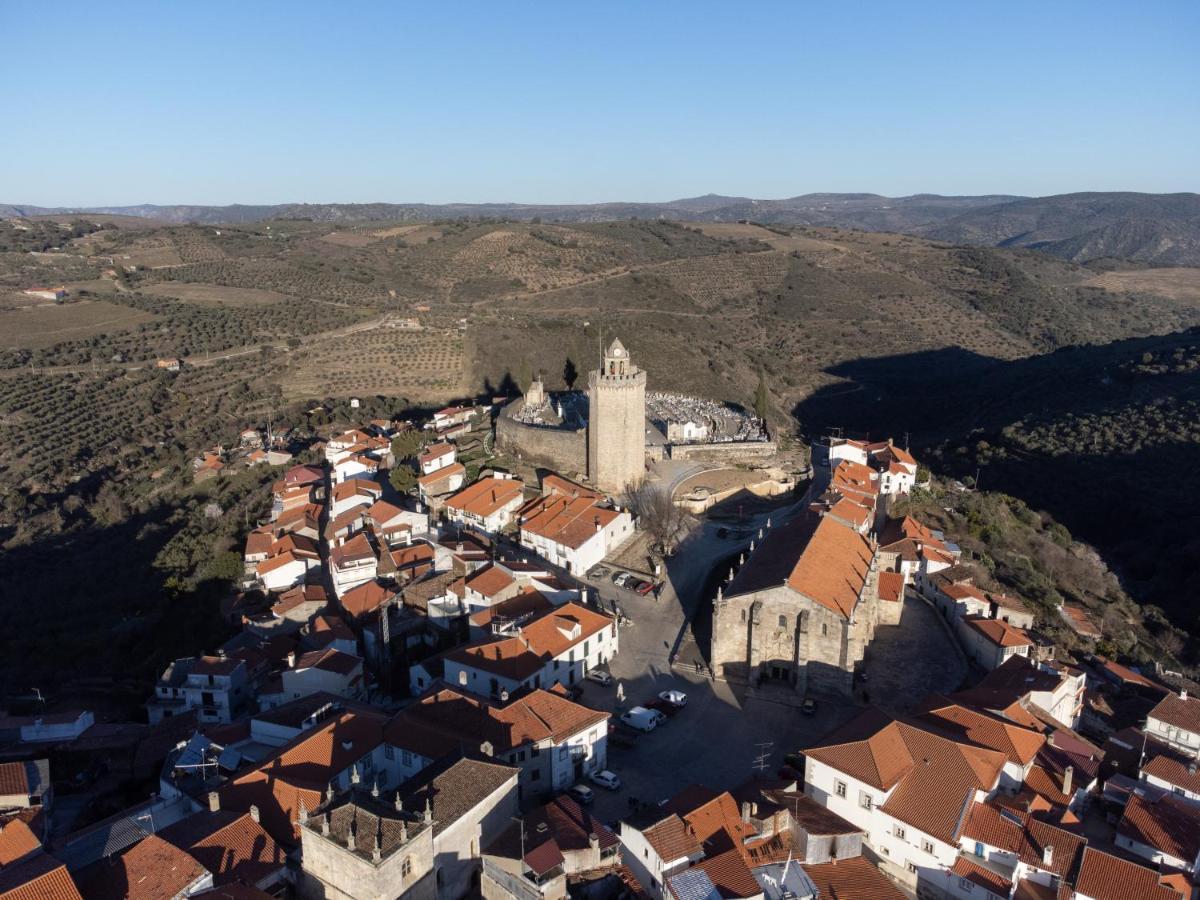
(641, 719)
(620, 578)
(600, 677)
(809, 706)
(644, 587)
(582, 794)
(606, 779)
(674, 698)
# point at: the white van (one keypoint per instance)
(642, 719)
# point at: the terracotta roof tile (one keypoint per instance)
(365, 598)
(1169, 824)
(851, 879)
(957, 722)
(1103, 876)
(1174, 710)
(41, 877)
(487, 495)
(998, 632)
(985, 878)
(891, 586)
(149, 870)
(17, 841)
(1025, 836)
(229, 844)
(671, 839)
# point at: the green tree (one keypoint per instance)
(406, 445)
(402, 478)
(762, 397)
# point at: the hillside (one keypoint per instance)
(1163, 229)
(875, 332)
(1155, 228)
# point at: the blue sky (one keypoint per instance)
(258, 102)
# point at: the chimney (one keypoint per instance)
(593, 842)
(214, 802)
(745, 810)
(291, 660)
(486, 748)
(1183, 695)
(1068, 777)
(254, 812)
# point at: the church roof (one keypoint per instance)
(815, 556)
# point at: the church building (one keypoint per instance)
(802, 609)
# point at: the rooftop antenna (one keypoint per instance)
(760, 759)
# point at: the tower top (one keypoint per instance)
(616, 362)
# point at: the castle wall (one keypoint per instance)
(561, 449)
(731, 451)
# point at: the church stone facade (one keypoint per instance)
(616, 434)
(802, 609)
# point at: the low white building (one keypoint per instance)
(572, 527)
(558, 647)
(1164, 830)
(490, 504)
(323, 671)
(352, 563)
(553, 741)
(436, 457)
(1175, 721)
(288, 569)
(880, 774)
(216, 687)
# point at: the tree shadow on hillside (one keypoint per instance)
(89, 603)
(1138, 505)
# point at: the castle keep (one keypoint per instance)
(616, 438)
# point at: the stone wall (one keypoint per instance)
(732, 451)
(561, 449)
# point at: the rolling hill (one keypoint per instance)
(1162, 229)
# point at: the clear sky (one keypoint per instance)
(106, 103)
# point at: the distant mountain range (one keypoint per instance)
(1162, 229)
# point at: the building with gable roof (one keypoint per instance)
(801, 610)
(1175, 721)
(906, 787)
(571, 526)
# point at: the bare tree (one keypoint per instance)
(666, 523)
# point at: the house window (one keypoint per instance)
(912, 867)
(743, 617)
(898, 831)
(389, 751)
(562, 752)
(535, 751)
(824, 629)
(803, 623)
(966, 885)
(783, 622)
(839, 788)
(927, 846)
(406, 867)
(864, 800)
(406, 758)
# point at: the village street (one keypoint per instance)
(724, 736)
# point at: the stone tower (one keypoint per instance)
(616, 422)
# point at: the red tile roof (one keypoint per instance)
(487, 495)
(671, 840)
(41, 877)
(13, 779)
(933, 778)
(149, 870)
(958, 722)
(1103, 876)
(1024, 836)
(229, 844)
(567, 521)
(1169, 824)
(891, 586)
(985, 878)
(1174, 710)
(998, 632)
(365, 598)
(851, 879)
(17, 841)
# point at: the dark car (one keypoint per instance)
(809, 707)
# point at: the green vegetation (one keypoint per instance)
(1028, 554)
